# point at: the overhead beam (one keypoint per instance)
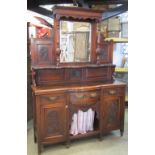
(42, 11)
(83, 4)
(106, 2)
(32, 3)
(114, 12)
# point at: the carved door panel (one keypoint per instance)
(111, 113)
(42, 52)
(53, 122)
(106, 52)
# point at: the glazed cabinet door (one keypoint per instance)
(52, 120)
(112, 114)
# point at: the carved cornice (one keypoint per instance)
(74, 13)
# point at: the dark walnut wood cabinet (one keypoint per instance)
(112, 109)
(70, 75)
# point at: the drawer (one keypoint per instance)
(81, 97)
(50, 76)
(113, 91)
(93, 73)
(52, 98)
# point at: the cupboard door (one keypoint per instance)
(111, 113)
(42, 52)
(106, 52)
(53, 122)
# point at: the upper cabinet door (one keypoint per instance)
(104, 50)
(42, 52)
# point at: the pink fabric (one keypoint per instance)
(82, 122)
(74, 130)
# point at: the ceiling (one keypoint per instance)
(38, 6)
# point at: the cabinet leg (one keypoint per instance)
(67, 144)
(39, 149)
(121, 132)
(100, 137)
(35, 138)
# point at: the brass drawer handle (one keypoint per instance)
(112, 92)
(52, 98)
(93, 94)
(80, 95)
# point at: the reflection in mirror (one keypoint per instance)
(75, 41)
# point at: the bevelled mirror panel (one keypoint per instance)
(75, 41)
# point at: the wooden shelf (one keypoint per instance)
(88, 134)
(117, 40)
(121, 69)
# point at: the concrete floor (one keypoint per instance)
(112, 144)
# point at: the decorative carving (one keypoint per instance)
(43, 53)
(76, 73)
(98, 50)
(103, 54)
(112, 113)
(84, 107)
(76, 13)
(69, 17)
(33, 77)
(58, 51)
(52, 122)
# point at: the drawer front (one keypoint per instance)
(83, 97)
(50, 76)
(52, 98)
(93, 73)
(113, 91)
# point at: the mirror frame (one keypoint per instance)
(78, 15)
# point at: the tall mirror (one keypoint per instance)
(75, 41)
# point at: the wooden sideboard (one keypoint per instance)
(62, 85)
(54, 107)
